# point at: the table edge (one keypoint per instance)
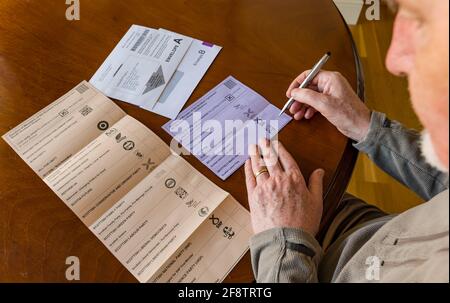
(346, 165)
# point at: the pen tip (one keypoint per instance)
(329, 53)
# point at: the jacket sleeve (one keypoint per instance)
(396, 150)
(285, 255)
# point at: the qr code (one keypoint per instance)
(81, 88)
(192, 203)
(181, 192)
(86, 110)
(230, 84)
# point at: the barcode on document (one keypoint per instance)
(81, 88)
(140, 40)
(230, 83)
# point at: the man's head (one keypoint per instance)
(419, 50)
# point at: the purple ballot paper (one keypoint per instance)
(219, 127)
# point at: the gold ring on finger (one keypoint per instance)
(261, 171)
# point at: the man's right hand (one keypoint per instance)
(331, 95)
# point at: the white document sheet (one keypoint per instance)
(225, 152)
(141, 65)
(155, 69)
(161, 218)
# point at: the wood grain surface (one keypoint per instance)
(266, 43)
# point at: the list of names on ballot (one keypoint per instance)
(159, 216)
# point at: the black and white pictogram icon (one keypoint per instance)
(192, 203)
(181, 193)
(63, 113)
(120, 137)
(103, 125)
(111, 132)
(170, 183)
(229, 97)
(228, 232)
(202, 212)
(128, 145)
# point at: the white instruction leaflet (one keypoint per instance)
(162, 219)
(141, 65)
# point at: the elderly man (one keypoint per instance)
(363, 244)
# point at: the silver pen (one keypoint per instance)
(314, 71)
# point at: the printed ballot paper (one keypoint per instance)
(159, 216)
(219, 127)
(155, 69)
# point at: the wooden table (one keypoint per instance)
(266, 43)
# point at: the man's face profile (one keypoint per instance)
(419, 51)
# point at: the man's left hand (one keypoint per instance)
(280, 197)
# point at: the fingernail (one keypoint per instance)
(264, 141)
(252, 149)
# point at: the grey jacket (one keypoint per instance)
(410, 247)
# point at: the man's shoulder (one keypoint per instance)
(428, 218)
